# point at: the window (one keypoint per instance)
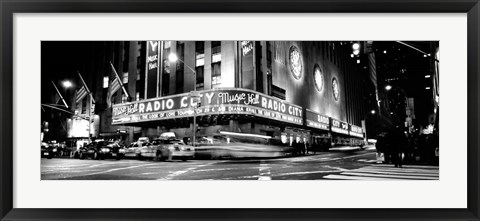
(180, 68)
(216, 63)
(166, 62)
(199, 81)
(124, 99)
(167, 44)
(216, 74)
(199, 53)
(216, 51)
(126, 54)
(84, 105)
(269, 55)
(105, 82)
(125, 78)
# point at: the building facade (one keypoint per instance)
(286, 90)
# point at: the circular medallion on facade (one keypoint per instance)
(295, 62)
(335, 89)
(318, 77)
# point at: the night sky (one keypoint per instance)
(60, 60)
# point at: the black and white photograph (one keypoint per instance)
(240, 110)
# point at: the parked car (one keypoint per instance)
(102, 149)
(167, 149)
(46, 150)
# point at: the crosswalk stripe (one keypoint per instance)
(388, 176)
(397, 173)
(340, 177)
(385, 172)
(401, 170)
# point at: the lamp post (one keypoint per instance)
(173, 58)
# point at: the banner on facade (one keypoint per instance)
(355, 131)
(153, 54)
(216, 101)
(338, 126)
(317, 120)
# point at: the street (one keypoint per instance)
(359, 165)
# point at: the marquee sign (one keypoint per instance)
(339, 126)
(216, 101)
(355, 131)
(316, 120)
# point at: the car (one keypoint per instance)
(101, 150)
(46, 150)
(133, 149)
(167, 149)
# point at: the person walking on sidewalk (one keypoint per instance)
(398, 141)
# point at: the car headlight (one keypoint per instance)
(121, 151)
(54, 150)
(105, 150)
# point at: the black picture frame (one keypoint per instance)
(9, 7)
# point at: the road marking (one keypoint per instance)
(306, 172)
(264, 171)
(117, 169)
(215, 169)
(177, 173)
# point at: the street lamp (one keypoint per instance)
(173, 58)
(67, 84)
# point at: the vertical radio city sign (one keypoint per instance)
(151, 80)
(216, 101)
(316, 120)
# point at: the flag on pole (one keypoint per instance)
(57, 98)
(80, 94)
(114, 85)
(83, 91)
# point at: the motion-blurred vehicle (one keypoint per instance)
(101, 149)
(46, 150)
(237, 145)
(166, 149)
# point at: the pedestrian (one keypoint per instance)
(306, 147)
(381, 147)
(397, 141)
(295, 147)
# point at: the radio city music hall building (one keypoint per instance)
(281, 89)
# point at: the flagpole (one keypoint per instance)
(90, 121)
(119, 81)
(60, 94)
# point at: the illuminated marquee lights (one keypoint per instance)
(216, 101)
(355, 131)
(339, 126)
(316, 120)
